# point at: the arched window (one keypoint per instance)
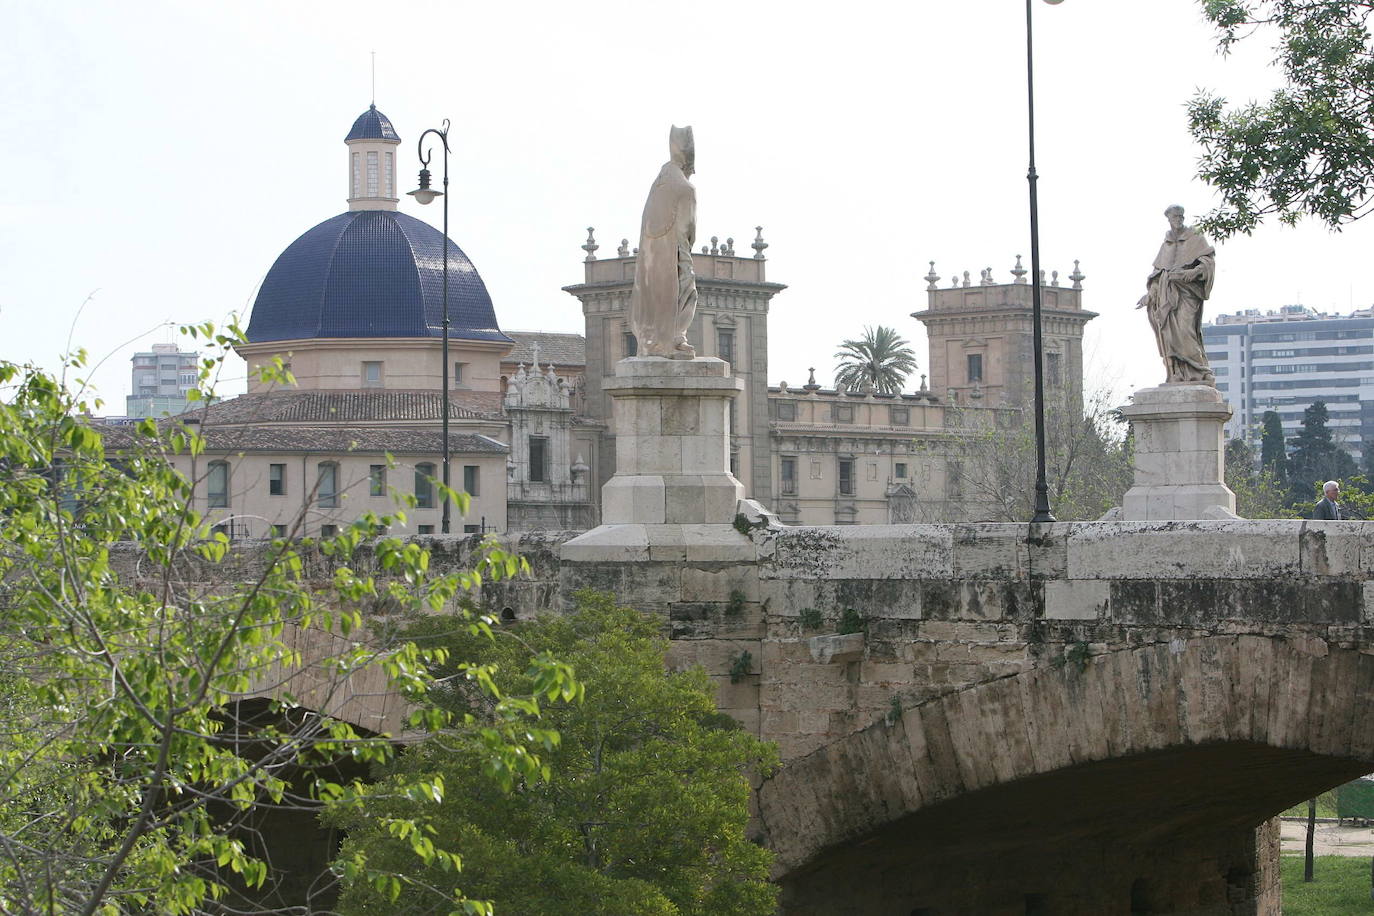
(424, 486)
(217, 485)
(327, 485)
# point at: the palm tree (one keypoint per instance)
(880, 358)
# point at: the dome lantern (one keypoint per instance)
(372, 146)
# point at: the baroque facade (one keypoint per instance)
(353, 309)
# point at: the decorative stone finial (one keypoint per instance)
(590, 245)
(715, 245)
(624, 250)
(1018, 271)
(987, 276)
(1054, 275)
(954, 281)
(759, 244)
(1077, 276)
(535, 359)
(923, 382)
(782, 386)
(1042, 276)
(705, 249)
(811, 381)
(729, 247)
(966, 279)
(931, 277)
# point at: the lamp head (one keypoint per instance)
(1054, 2)
(424, 193)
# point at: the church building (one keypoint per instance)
(354, 309)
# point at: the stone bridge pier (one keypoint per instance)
(1074, 718)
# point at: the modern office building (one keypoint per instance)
(160, 379)
(1288, 359)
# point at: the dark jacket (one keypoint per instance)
(1328, 510)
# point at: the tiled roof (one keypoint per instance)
(371, 273)
(559, 349)
(331, 439)
(372, 125)
(349, 407)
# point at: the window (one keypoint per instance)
(424, 486)
(327, 485)
(372, 374)
(789, 476)
(328, 531)
(629, 345)
(276, 480)
(458, 374)
(217, 485)
(1054, 374)
(725, 345)
(426, 529)
(539, 459)
(975, 367)
(787, 410)
(846, 476)
(900, 416)
(372, 173)
(357, 175)
(390, 175)
(734, 463)
(278, 531)
(376, 480)
(842, 413)
(901, 470)
(379, 531)
(471, 529)
(471, 477)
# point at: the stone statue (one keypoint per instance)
(665, 291)
(1180, 282)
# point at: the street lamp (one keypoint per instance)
(425, 195)
(1042, 492)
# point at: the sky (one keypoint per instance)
(160, 155)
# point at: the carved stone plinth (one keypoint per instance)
(1179, 454)
(673, 497)
(672, 443)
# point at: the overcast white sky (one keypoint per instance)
(164, 153)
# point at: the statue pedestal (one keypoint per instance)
(672, 443)
(673, 497)
(1179, 454)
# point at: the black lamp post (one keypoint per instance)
(425, 195)
(1042, 490)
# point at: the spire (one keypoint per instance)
(372, 174)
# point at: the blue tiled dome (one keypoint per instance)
(372, 125)
(371, 273)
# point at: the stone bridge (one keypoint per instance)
(1072, 718)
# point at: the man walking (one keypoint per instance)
(1329, 506)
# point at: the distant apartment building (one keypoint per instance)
(1285, 360)
(161, 378)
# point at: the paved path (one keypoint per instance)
(1329, 840)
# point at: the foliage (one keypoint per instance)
(1316, 458)
(1341, 887)
(124, 713)
(1357, 497)
(735, 606)
(1273, 450)
(1259, 494)
(810, 618)
(1087, 460)
(741, 666)
(645, 808)
(851, 621)
(880, 358)
(1307, 150)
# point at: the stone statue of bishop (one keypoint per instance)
(664, 299)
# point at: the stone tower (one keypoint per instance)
(980, 334)
(731, 323)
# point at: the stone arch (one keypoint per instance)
(1264, 721)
